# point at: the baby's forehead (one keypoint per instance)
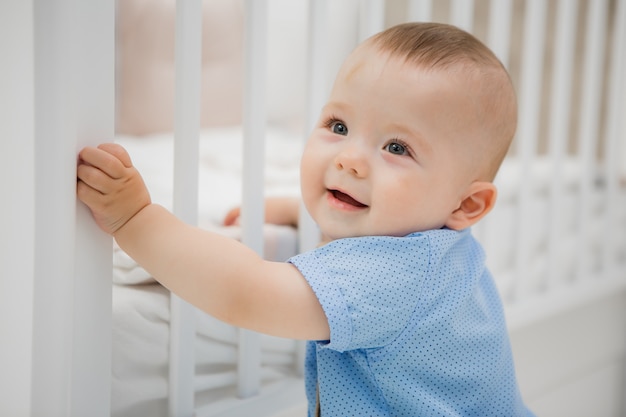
(374, 61)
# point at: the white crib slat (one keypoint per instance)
(531, 77)
(372, 17)
(559, 129)
(529, 107)
(254, 122)
(181, 365)
(615, 136)
(185, 200)
(252, 216)
(499, 35)
(249, 376)
(71, 283)
(589, 123)
(17, 242)
(187, 111)
(51, 357)
(317, 91)
(91, 355)
(420, 10)
(498, 39)
(462, 14)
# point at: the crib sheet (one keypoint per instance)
(141, 306)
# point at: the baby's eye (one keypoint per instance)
(396, 148)
(339, 128)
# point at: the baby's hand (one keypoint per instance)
(110, 186)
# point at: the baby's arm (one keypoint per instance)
(216, 274)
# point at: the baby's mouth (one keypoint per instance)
(345, 198)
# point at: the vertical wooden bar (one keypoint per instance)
(420, 10)
(614, 139)
(528, 127)
(560, 97)
(17, 213)
(94, 81)
(317, 94)
(499, 40)
(462, 14)
(372, 17)
(499, 35)
(252, 213)
(69, 76)
(52, 314)
(589, 123)
(188, 56)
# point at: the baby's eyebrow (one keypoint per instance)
(334, 106)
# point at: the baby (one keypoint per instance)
(402, 316)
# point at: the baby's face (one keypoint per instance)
(389, 153)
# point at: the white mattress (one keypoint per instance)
(141, 306)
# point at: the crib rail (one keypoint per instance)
(185, 199)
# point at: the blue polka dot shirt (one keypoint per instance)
(416, 329)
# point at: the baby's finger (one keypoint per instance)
(118, 151)
(93, 177)
(86, 193)
(103, 160)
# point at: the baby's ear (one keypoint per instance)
(479, 201)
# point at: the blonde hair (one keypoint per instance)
(437, 46)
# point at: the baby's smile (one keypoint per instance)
(343, 200)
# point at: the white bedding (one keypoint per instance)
(141, 306)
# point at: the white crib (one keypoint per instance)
(556, 242)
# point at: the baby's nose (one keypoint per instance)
(353, 160)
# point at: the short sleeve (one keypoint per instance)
(369, 287)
